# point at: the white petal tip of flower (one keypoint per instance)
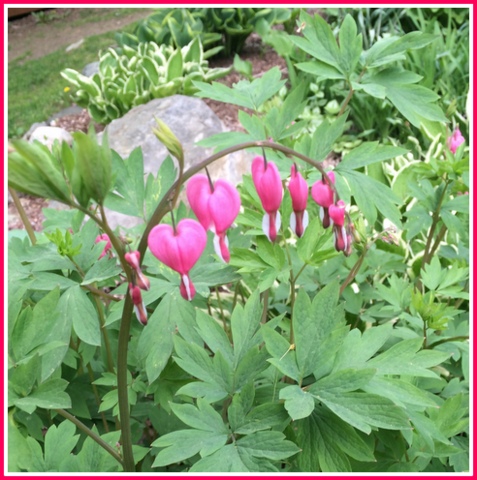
(293, 222)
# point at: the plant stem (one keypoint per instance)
(122, 371)
(161, 209)
(346, 101)
(300, 271)
(438, 240)
(23, 216)
(354, 271)
(99, 292)
(91, 434)
(435, 220)
(450, 339)
(102, 325)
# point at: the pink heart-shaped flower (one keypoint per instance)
(181, 249)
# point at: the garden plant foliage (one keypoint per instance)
(342, 349)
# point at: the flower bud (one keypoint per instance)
(455, 140)
(165, 135)
(299, 194)
(269, 187)
(139, 307)
(323, 195)
(133, 258)
(104, 238)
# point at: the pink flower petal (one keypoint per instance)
(337, 213)
(178, 251)
(268, 183)
(298, 190)
(198, 194)
(224, 205)
(322, 193)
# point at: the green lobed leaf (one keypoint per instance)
(245, 322)
(263, 417)
(401, 392)
(350, 44)
(92, 167)
(156, 340)
(321, 70)
(244, 93)
(50, 394)
(313, 324)
(183, 444)
(271, 445)
(383, 198)
(59, 444)
(343, 381)
(298, 403)
(284, 358)
(364, 410)
(403, 358)
(103, 269)
(368, 153)
(76, 304)
(129, 184)
(202, 417)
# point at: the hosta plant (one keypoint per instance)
(138, 75)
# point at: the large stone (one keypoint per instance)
(48, 135)
(90, 69)
(190, 119)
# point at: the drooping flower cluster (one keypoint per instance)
(139, 282)
(332, 213)
(216, 206)
(269, 188)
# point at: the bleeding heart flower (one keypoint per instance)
(104, 238)
(337, 215)
(455, 140)
(139, 307)
(323, 195)
(216, 208)
(179, 249)
(133, 258)
(299, 194)
(270, 190)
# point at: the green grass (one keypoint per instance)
(35, 87)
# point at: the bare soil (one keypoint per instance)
(27, 38)
(34, 36)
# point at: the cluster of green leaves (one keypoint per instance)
(444, 67)
(220, 28)
(292, 358)
(138, 75)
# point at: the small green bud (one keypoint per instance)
(170, 141)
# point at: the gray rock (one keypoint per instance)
(190, 119)
(48, 135)
(90, 69)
